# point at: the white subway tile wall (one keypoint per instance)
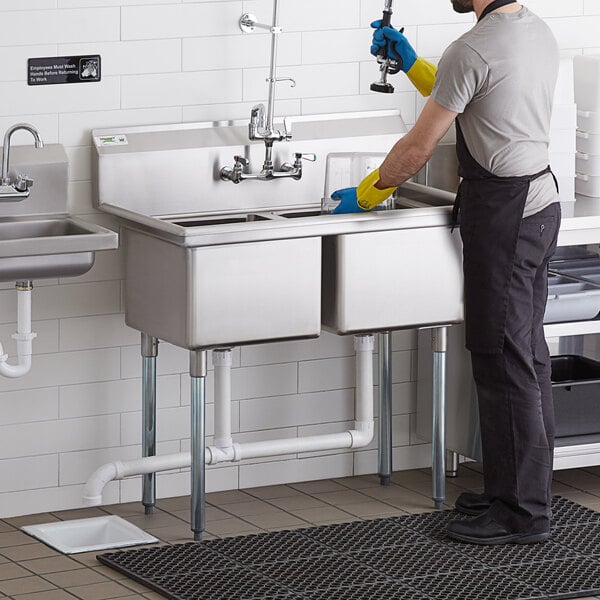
(173, 61)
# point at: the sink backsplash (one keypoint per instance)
(170, 170)
(49, 169)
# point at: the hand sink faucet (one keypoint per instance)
(14, 191)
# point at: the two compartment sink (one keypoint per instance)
(57, 246)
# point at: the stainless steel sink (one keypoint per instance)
(35, 248)
(403, 278)
(223, 294)
(210, 264)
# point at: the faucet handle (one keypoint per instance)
(240, 160)
(310, 157)
(287, 128)
(23, 183)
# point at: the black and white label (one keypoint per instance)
(63, 69)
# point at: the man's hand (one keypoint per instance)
(420, 71)
(396, 45)
(363, 198)
(348, 202)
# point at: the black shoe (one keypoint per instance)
(484, 530)
(472, 504)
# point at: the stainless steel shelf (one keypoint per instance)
(572, 328)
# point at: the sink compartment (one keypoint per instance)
(219, 221)
(299, 215)
(47, 248)
(392, 280)
(223, 295)
(15, 230)
(43, 267)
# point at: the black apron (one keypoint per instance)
(491, 210)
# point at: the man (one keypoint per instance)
(497, 81)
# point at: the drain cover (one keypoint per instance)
(399, 558)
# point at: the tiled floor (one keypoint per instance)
(29, 570)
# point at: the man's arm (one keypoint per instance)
(407, 156)
(411, 152)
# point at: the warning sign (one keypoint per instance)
(63, 69)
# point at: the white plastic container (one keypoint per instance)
(587, 164)
(588, 143)
(348, 169)
(588, 120)
(587, 82)
(587, 185)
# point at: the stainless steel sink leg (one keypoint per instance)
(149, 353)
(453, 459)
(385, 408)
(439, 339)
(198, 377)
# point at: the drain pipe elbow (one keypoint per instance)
(363, 435)
(92, 492)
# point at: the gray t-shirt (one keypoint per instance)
(501, 76)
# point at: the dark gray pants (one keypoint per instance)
(515, 391)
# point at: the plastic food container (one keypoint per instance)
(588, 143)
(576, 393)
(587, 164)
(588, 120)
(587, 185)
(587, 82)
(348, 169)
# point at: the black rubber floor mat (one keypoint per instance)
(399, 558)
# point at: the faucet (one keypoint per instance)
(261, 125)
(19, 189)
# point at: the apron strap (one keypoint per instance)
(528, 178)
(495, 5)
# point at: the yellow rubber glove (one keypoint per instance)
(422, 76)
(368, 196)
(365, 197)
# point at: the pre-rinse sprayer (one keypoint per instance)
(387, 66)
(261, 125)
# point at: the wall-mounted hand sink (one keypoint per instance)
(37, 248)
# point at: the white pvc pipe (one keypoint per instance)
(23, 336)
(222, 361)
(359, 437)
(92, 492)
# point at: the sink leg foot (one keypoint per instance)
(453, 464)
(437, 504)
(149, 354)
(198, 371)
(384, 449)
(439, 339)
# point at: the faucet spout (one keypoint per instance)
(6, 147)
